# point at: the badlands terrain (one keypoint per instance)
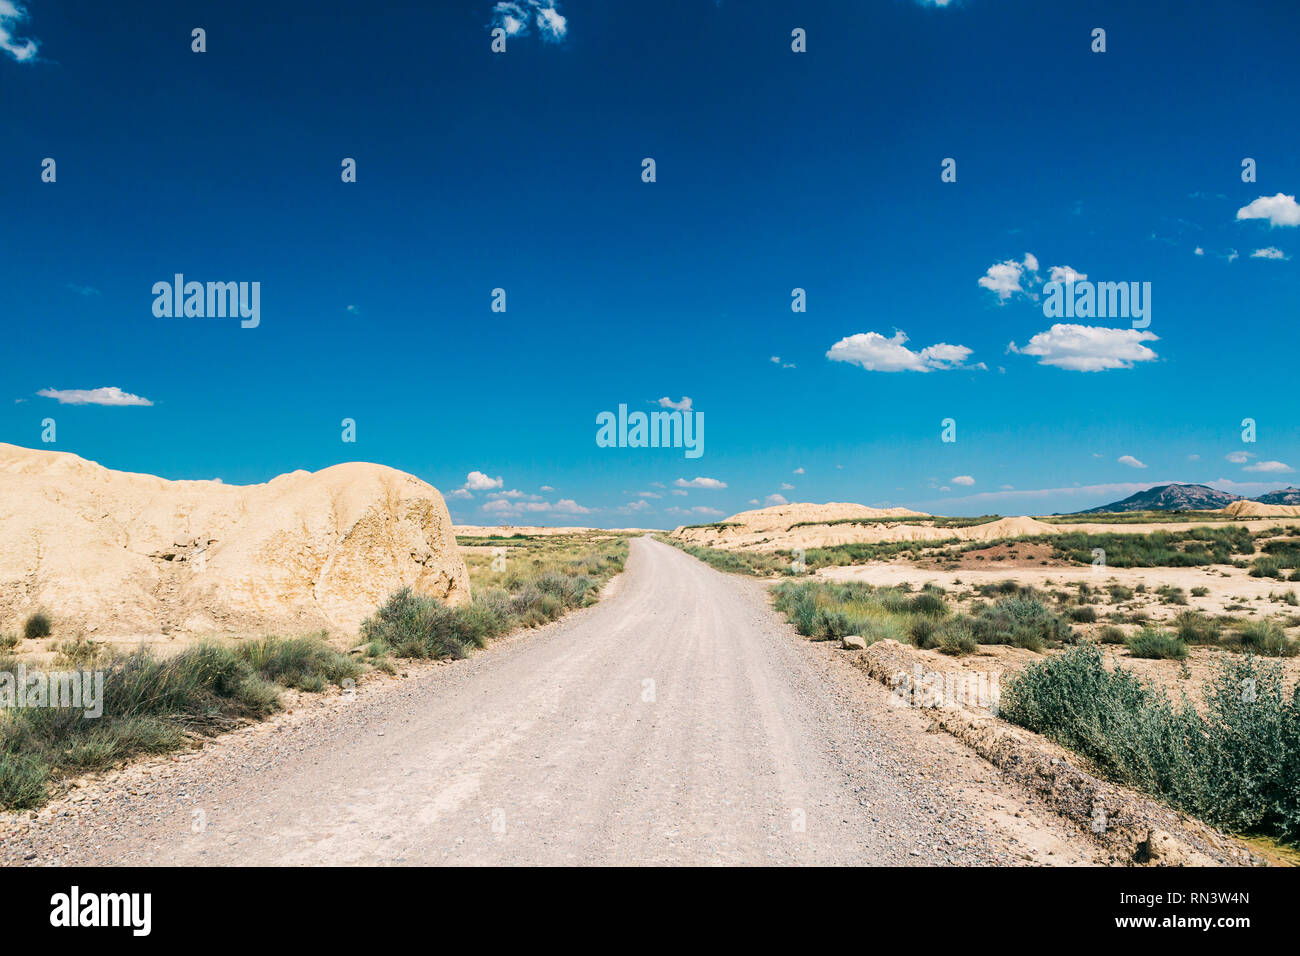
(621, 701)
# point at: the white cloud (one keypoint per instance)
(517, 16)
(1085, 348)
(776, 360)
(565, 506)
(963, 480)
(1269, 252)
(1066, 274)
(477, 481)
(678, 491)
(786, 486)
(1271, 466)
(875, 353)
(798, 471)
(697, 510)
(683, 406)
(1238, 457)
(1004, 277)
(1130, 461)
(1232, 255)
(546, 488)
(1198, 251)
(775, 500)
(111, 395)
(516, 494)
(1279, 210)
(636, 506)
(459, 493)
(700, 483)
(11, 14)
(648, 494)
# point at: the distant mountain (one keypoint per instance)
(1175, 498)
(1287, 496)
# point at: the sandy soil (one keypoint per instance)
(679, 721)
(1229, 588)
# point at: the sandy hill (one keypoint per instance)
(113, 552)
(1255, 509)
(780, 517)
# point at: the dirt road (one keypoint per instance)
(679, 721)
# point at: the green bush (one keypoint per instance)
(1193, 627)
(1110, 634)
(1267, 639)
(1021, 622)
(38, 625)
(1235, 766)
(1153, 643)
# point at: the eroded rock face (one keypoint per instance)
(111, 552)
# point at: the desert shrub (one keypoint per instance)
(1020, 621)
(929, 603)
(831, 625)
(1234, 766)
(1266, 566)
(1119, 593)
(1193, 627)
(1086, 614)
(22, 780)
(307, 663)
(1267, 639)
(1171, 595)
(955, 637)
(1154, 643)
(38, 625)
(1110, 634)
(1200, 591)
(923, 632)
(8, 642)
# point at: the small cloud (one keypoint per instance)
(636, 506)
(679, 492)
(1271, 466)
(1085, 348)
(477, 481)
(353, 310)
(775, 500)
(1269, 252)
(1193, 457)
(1130, 461)
(683, 406)
(112, 396)
(11, 14)
(1198, 251)
(713, 483)
(786, 486)
(1279, 210)
(1238, 457)
(1066, 274)
(1232, 255)
(1003, 278)
(459, 493)
(82, 290)
(963, 480)
(776, 360)
(648, 494)
(798, 471)
(875, 353)
(517, 17)
(546, 488)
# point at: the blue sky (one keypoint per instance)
(775, 170)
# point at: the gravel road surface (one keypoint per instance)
(678, 721)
